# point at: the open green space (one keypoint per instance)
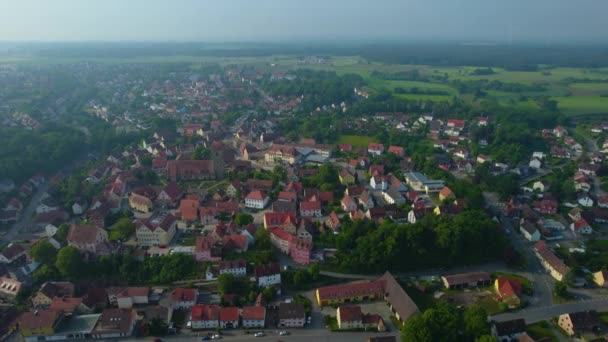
(541, 330)
(356, 140)
(582, 104)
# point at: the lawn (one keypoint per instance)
(356, 140)
(541, 330)
(604, 317)
(582, 104)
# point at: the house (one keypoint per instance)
(529, 231)
(131, 296)
(310, 209)
(396, 150)
(256, 199)
(253, 316)
(600, 278)
(445, 194)
(299, 250)
(584, 200)
(196, 169)
(541, 185)
(237, 268)
(579, 323)
(346, 178)
(188, 209)
(114, 323)
(235, 243)
(560, 132)
(379, 182)
(140, 203)
(535, 163)
(40, 323)
(70, 306)
(158, 229)
(9, 288)
(509, 330)
(353, 292)
(602, 201)
(287, 196)
(11, 253)
(348, 204)
(281, 153)
(182, 298)
(205, 316)
(550, 261)
(392, 196)
(229, 317)
(366, 200)
(588, 169)
(464, 280)
(291, 315)
(51, 289)
(170, 194)
(279, 219)
(375, 148)
(267, 275)
(79, 207)
(581, 227)
(508, 291)
(546, 206)
(333, 222)
(206, 250)
(349, 317)
(88, 238)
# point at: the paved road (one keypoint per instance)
(26, 215)
(533, 315)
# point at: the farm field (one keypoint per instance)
(356, 140)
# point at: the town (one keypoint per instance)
(280, 201)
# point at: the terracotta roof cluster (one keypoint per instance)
(183, 295)
(163, 221)
(201, 312)
(229, 314)
(39, 319)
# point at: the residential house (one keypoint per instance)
(366, 200)
(529, 231)
(131, 296)
(348, 204)
(535, 164)
(396, 150)
(36, 325)
(70, 306)
(600, 278)
(170, 194)
(579, 323)
(375, 148)
(253, 316)
(445, 194)
(300, 250)
(50, 290)
(205, 316)
(158, 230)
(508, 291)
(379, 182)
(310, 209)
(509, 330)
(550, 261)
(9, 288)
(229, 317)
(392, 196)
(256, 199)
(546, 206)
(79, 207)
(182, 298)
(581, 227)
(584, 200)
(188, 209)
(205, 249)
(140, 203)
(281, 153)
(346, 178)
(12, 253)
(88, 238)
(268, 275)
(291, 315)
(464, 280)
(349, 317)
(588, 169)
(115, 323)
(333, 222)
(237, 268)
(541, 185)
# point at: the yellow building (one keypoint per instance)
(140, 203)
(157, 230)
(39, 323)
(600, 278)
(348, 293)
(281, 153)
(346, 178)
(49, 290)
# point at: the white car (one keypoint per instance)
(284, 333)
(259, 334)
(216, 337)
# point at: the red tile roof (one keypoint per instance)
(39, 319)
(256, 195)
(188, 209)
(254, 313)
(183, 295)
(229, 314)
(202, 312)
(350, 313)
(350, 290)
(508, 287)
(310, 206)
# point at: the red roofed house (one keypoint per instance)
(345, 147)
(206, 250)
(170, 194)
(157, 230)
(581, 227)
(310, 209)
(375, 148)
(550, 261)
(281, 239)
(396, 150)
(194, 169)
(235, 243)
(253, 316)
(352, 292)
(205, 316)
(348, 204)
(131, 296)
(229, 317)
(454, 123)
(446, 193)
(188, 209)
(333, 222)
(349, 317)
(87, 238)
(508, 291)
(300, 251)
(256, 199)
(545, 206)
(183, 298)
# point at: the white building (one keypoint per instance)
(256, 199)
(268, 275)
(237, 268)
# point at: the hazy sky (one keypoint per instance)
(256, 20)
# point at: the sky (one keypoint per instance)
(550, 21)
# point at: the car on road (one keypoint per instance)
(284, 333)
(205, 338)
(216, 337)
(259, 334)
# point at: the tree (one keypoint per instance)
(122, 229)
(262, 240)
(69, 262)
(475, 321)
(44, 253)
(156, 327)
(243, 219)
(225, 283)
(62, 234)
(314, 271)
(560, 289)
(416, 330)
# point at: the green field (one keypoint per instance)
(356, 140)
(541, 330)
(582, 104)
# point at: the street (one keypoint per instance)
(25, 220)
(538, 314)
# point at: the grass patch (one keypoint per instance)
(582, 104)
(491, 306)
(356, 140)
(541, 330)
(604, 317)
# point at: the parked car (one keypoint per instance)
(284, 333)
(205, 338)
(259, 334)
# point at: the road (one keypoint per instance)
(26, 215)
(537, 314)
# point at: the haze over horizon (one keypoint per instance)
(551, 21)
